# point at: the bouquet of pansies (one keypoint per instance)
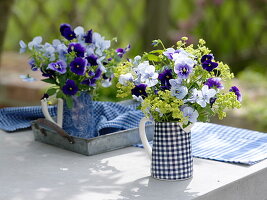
(79, 62)
(179, 84)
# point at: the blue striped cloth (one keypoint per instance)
(227, 144)
(109, 117)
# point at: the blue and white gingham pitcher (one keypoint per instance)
(171, 154)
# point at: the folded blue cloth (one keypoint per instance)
(15, 118)
(109, 117)
(227, 144)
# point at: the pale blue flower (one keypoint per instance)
(179, 91)
(100, 43)
(176, 82)
(35, 43)
(204, 95)
(56, 42)
(191, 113)
(79, 32)
(49, 51)
(27, 78)
(137, 60)
(148, 74)
(23, 46)
(169, 52)
(183, 65)
(124, 78)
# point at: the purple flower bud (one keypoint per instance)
(88, 38)
(89, 82)
(32, 64)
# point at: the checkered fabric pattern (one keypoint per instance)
(227, 144)
(109, 117)
(171, 154)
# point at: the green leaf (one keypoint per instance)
(69, 101)
(60, 94)
(152, 57)
(157, 51)
(49, 80)
(51, 91)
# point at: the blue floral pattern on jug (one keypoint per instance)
(79, 121)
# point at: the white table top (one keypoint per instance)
(30, 170)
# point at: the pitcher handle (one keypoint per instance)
(142, 132)
(59, 111)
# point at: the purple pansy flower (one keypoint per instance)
(89, 81)
(207, 57)
(98, 73)
(121, 51)
(107, 81)
(77, 48)
(183, 70)
(32, 64)
(214, 83)
(140, 90)
(207, 63)
(212, 101)
(78, 66)
(70, 88)
(59, 66)
(237, 92)
(164, 78)
(67, 32)
(47, 72)
(92, 60)
(88, 38)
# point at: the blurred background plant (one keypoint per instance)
(235, 30)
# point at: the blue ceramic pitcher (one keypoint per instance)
(77, 121)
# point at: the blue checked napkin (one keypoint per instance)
(227, 144)
(109, 117)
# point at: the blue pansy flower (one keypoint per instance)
(139, 90)
(78, 66)
(33, 64)
(214, 83)
(67, 32)
(59, 66)
(92, 60)
(70, 88)
(77, 48)
(164, 78)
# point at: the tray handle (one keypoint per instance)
(55, 127)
